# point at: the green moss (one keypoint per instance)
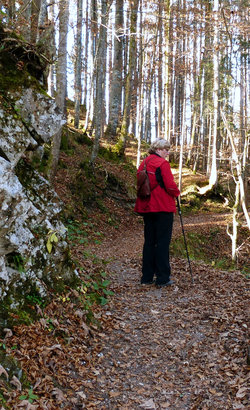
(101, 205)
(23, 66)
(130, 167)
(83, 139)
(16, 261)
(119, 148)
(110, 153)
(12, 78)
(64, 141)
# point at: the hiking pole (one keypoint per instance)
(184, 236)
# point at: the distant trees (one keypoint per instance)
(150, 69)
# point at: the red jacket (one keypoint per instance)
(161, 200)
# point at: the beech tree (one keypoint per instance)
(129, 78)
(99, 104)
(61, 82)
(115, 97)
(78, 63)
(213, 175)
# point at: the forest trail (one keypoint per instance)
(182, 347)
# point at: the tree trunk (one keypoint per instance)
(52, 67)
(35, 9)
(85, 59)
(116, 81)
(42, 17)
(61, 82)
(121, 145)
(160, 65)
(78, 64)
(213, 175)
(92, 56)
(168, 71)
(239, 172)
(234, 234)
(140, 91)
(99, 110)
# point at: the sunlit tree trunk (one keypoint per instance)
(92, 57)
(99, 109)
(168, 71)
(213, 175)
(182, 147)
(234, 234)
(85, 58)
(159, 98)
(61, 81)
(140, 91)
(78, 64)
(238, 166)
(129, 80)
(116, 82)
(52, 67)
(244, 104)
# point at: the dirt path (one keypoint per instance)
(182, 347)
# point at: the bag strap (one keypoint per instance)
(145, 169)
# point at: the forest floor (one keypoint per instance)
(180, 347)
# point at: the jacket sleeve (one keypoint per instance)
(168, 180)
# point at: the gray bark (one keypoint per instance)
(213, 175)
(61, 81)
(116, 81)
(78, 67)
(160, 65)
(129, 79)
(99, 109)
(41, 20)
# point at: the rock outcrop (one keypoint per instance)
(34, 255)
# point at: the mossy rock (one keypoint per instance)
(23, 66)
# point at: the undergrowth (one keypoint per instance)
(207, 248)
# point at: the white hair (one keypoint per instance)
(159, 143)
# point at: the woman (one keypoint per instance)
(157, 211)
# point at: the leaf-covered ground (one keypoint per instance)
(182, 347)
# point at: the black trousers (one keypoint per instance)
(158, 228)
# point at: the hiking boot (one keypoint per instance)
(161, 285)
(150, 282)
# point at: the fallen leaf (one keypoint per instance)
(8, 333)
(16, 383)
(58, 394)
(149, 404)
(27, 405)
(241, 392)
(81, 394)
(165, 405)
(114, 393)
(3, 371)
